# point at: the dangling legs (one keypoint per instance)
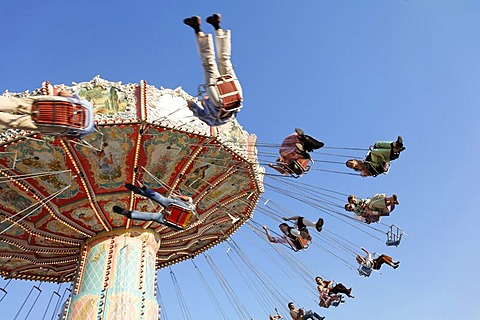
(224, 49)
(149, 193)
(138, 215)
(393, 200)
(207, 56)
(16, 105)
(318, 225)
(388, 260)
(16, 113)
(389, 150)
(309, 143)
(340, 288)
(303, 223)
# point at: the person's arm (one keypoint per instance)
(184, 198)
(270, 238)
(368, 257)
(320, 288)
(294, 218)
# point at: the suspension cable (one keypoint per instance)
(216, 304)
(180, 297)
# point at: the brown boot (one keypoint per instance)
(214, 20)
(193, 22)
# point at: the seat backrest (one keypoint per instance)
(178, 216)
(394, 236)
(299, 243)
(61, 113)
(228, 93)
(305, 164)
(365, 271)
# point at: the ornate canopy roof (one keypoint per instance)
(55, 193)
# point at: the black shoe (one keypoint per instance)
(395, 199)
(133, 188)
(193, 22)
(399, 144)
(214, 20)
(120, 210)
(311, 144)
(319, 224)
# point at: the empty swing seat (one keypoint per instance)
(177, 217)
(394, 236)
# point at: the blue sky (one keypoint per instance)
(347, 72)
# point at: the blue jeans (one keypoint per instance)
(312, 316)
(161, 200)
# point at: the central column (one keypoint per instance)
(116, 277)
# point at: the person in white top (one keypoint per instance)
(369, 263)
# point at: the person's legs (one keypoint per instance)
(389, 260)
(16, 105)
(377, 263)
(17, 121)
(149, 193)
(315, 316)
(308, 315)
(391, 149)
(307, 223)
(308, 142)
(340, 288)
(15, 113)
(224, 53)
(139, 215)
(146, 216)
(210, 68)
(383, 145)
(157, 197)
(378, 203)
(379, 155)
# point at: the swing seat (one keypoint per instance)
(364, 271)
(302, 167)
(394, 236)
(337, 302)
(59, 114)
(177, 217)
(299, 244)
(228, 91)
(385, 166)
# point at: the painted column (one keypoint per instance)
(116, 277)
